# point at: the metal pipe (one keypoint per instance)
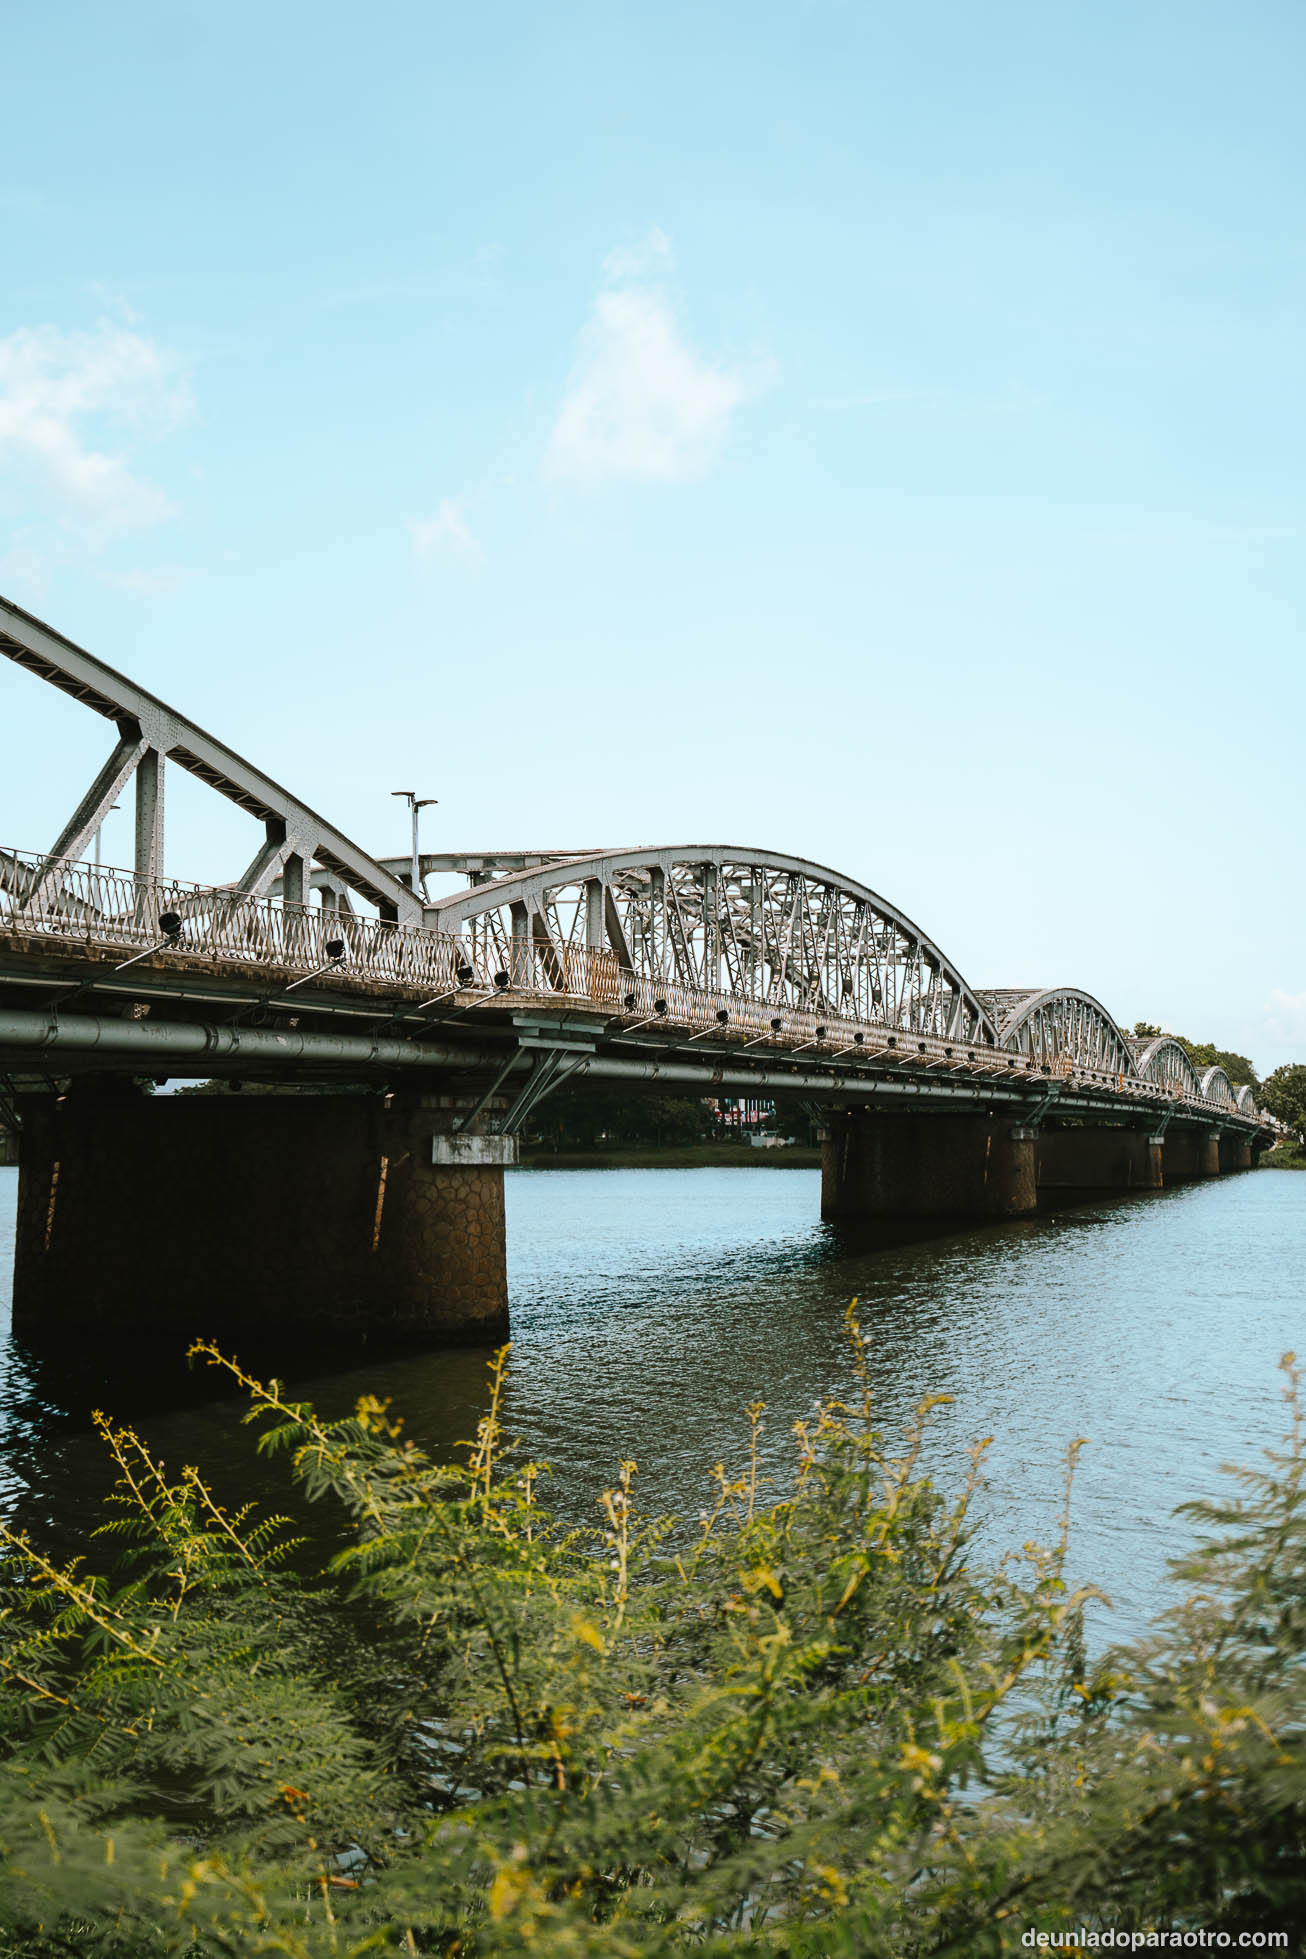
(203, 1044)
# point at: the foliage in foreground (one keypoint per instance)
(816, 1727)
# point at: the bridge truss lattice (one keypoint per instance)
(754, 926)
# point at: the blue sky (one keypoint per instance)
(875, 433)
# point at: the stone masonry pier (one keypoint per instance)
(203, 1214)
(923, 1166)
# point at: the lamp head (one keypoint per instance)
(335, 950)
(170, 925)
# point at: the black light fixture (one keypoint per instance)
(335, 950)
(659, 1010)
(722, 1019)
(170, 925)
(463, 975)
(502, 981)
(815, 1041)
(776, 1025)
(628, 1002)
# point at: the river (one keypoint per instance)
(649, 1305)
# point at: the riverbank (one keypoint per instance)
(686, 1156)
(1284, 1156)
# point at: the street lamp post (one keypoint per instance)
(416, 802)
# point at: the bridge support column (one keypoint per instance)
(923, 1166)
(1191, 1153)
(1235, 1153)
(330, 1214)
(1097, 1157)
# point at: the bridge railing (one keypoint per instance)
(531, 968)
(105, 910)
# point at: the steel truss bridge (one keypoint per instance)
(707, 969)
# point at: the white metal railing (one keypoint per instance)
(101, 910)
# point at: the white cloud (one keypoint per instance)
(445, 535)
(641, 403)
(58, 393)
(639, 261)
(1285, 1016)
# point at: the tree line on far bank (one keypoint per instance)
(589, 1118)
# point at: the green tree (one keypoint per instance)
(584, 1118)
(1284, 1095)
(1204, 1055)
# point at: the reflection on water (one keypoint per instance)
(649, 1305)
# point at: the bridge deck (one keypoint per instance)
(97, 969)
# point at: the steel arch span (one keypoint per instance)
(1060, 1023)
(1218, 1090)
(751, 924)
(1164, 1061)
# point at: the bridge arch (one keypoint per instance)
(725, 918)
(1245, 1098)
(1058, 1022)
(1218, 1089)
(1168, 1063)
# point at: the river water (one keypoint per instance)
(649, 1306)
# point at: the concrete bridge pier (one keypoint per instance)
(922, 1166)
(1235, 1153)
(327, 1215)
(1096, 1156)
(1190, 1153)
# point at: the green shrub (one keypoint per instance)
(811, 1725)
